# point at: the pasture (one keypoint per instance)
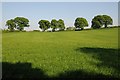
(66, 54)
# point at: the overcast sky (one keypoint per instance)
(68, 11)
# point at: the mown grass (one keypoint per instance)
(71, 54)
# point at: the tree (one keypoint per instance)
(100, 20)
(61, 24)
(97, 21)
(107, 20)
(11, 24)
(96, 24)
(21, 22)
(80, 23)
(54, 24)
(44, 24)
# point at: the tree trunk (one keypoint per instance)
(53, 30)
(105, 25)
(81, 28)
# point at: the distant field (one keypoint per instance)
(73, 54)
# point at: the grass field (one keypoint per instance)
(73, 54)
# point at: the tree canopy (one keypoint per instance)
(18, 23)
(11, 24)
(44, 24)
(100, 20)
(61, 24)
(80, 22)
(54, 24)
(107, 20)
(57, 24)
(21, 22)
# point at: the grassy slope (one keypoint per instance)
(56, 52)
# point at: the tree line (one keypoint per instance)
(97, 22)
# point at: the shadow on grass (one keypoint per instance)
(82, 75)
(109, 57)
(21, 71)
(24, 71)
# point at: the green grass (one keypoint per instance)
(90, 53)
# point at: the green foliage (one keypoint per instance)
(44, 24)
(54, 24)
(96, 24)
(97, 21)
(11, 24)
(18, 22)
(107, 20)
(80, 23)
(61, 24)
(21, 22)
(57, 24)
(100, 20)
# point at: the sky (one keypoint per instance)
(59, 0)
(68, 11)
